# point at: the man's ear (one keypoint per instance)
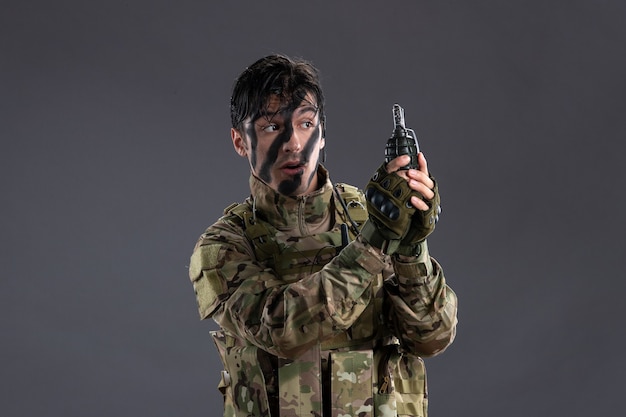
(239, 142)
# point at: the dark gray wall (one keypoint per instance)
(116, 155)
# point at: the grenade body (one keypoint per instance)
(403, 141)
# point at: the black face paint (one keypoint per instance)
(274, 149)
(251, 133)
(288, 187)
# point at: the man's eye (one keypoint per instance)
(307, 124)
(270, 128)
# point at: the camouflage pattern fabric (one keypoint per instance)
(300, 385)
(351, 383)
(312, 328)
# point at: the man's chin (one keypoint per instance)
(290, 187)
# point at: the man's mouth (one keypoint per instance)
(292, 168)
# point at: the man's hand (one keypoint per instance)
(403, 206)
(428, 206)
(418, 180)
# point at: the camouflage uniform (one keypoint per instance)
(311, 327)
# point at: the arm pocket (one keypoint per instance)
(207, 285)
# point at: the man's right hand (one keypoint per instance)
(401, 206)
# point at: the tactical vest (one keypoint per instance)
(359, 372)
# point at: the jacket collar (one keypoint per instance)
(297, 216)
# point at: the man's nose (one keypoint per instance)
(294, 142)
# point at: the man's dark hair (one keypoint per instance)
(289, 79)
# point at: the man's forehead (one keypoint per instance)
(276, 104)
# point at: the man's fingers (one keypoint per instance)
(422, 188)
(421, 160)
(397, 163)
(417, 179)
(419, 204)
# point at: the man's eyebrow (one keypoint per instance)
(269, 115)
(307, 108)
(266, 115)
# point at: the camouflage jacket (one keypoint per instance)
(311, 326)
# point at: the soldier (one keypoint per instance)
(326, 301)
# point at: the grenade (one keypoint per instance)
(403, 141)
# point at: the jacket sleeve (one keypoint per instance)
(250, 301)
(422, 309)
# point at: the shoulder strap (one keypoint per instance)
(257, 232)
(351, 207)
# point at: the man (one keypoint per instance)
(325, 307)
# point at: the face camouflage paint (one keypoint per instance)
(289, 186)
(284, 143)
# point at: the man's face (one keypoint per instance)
(282, 144)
